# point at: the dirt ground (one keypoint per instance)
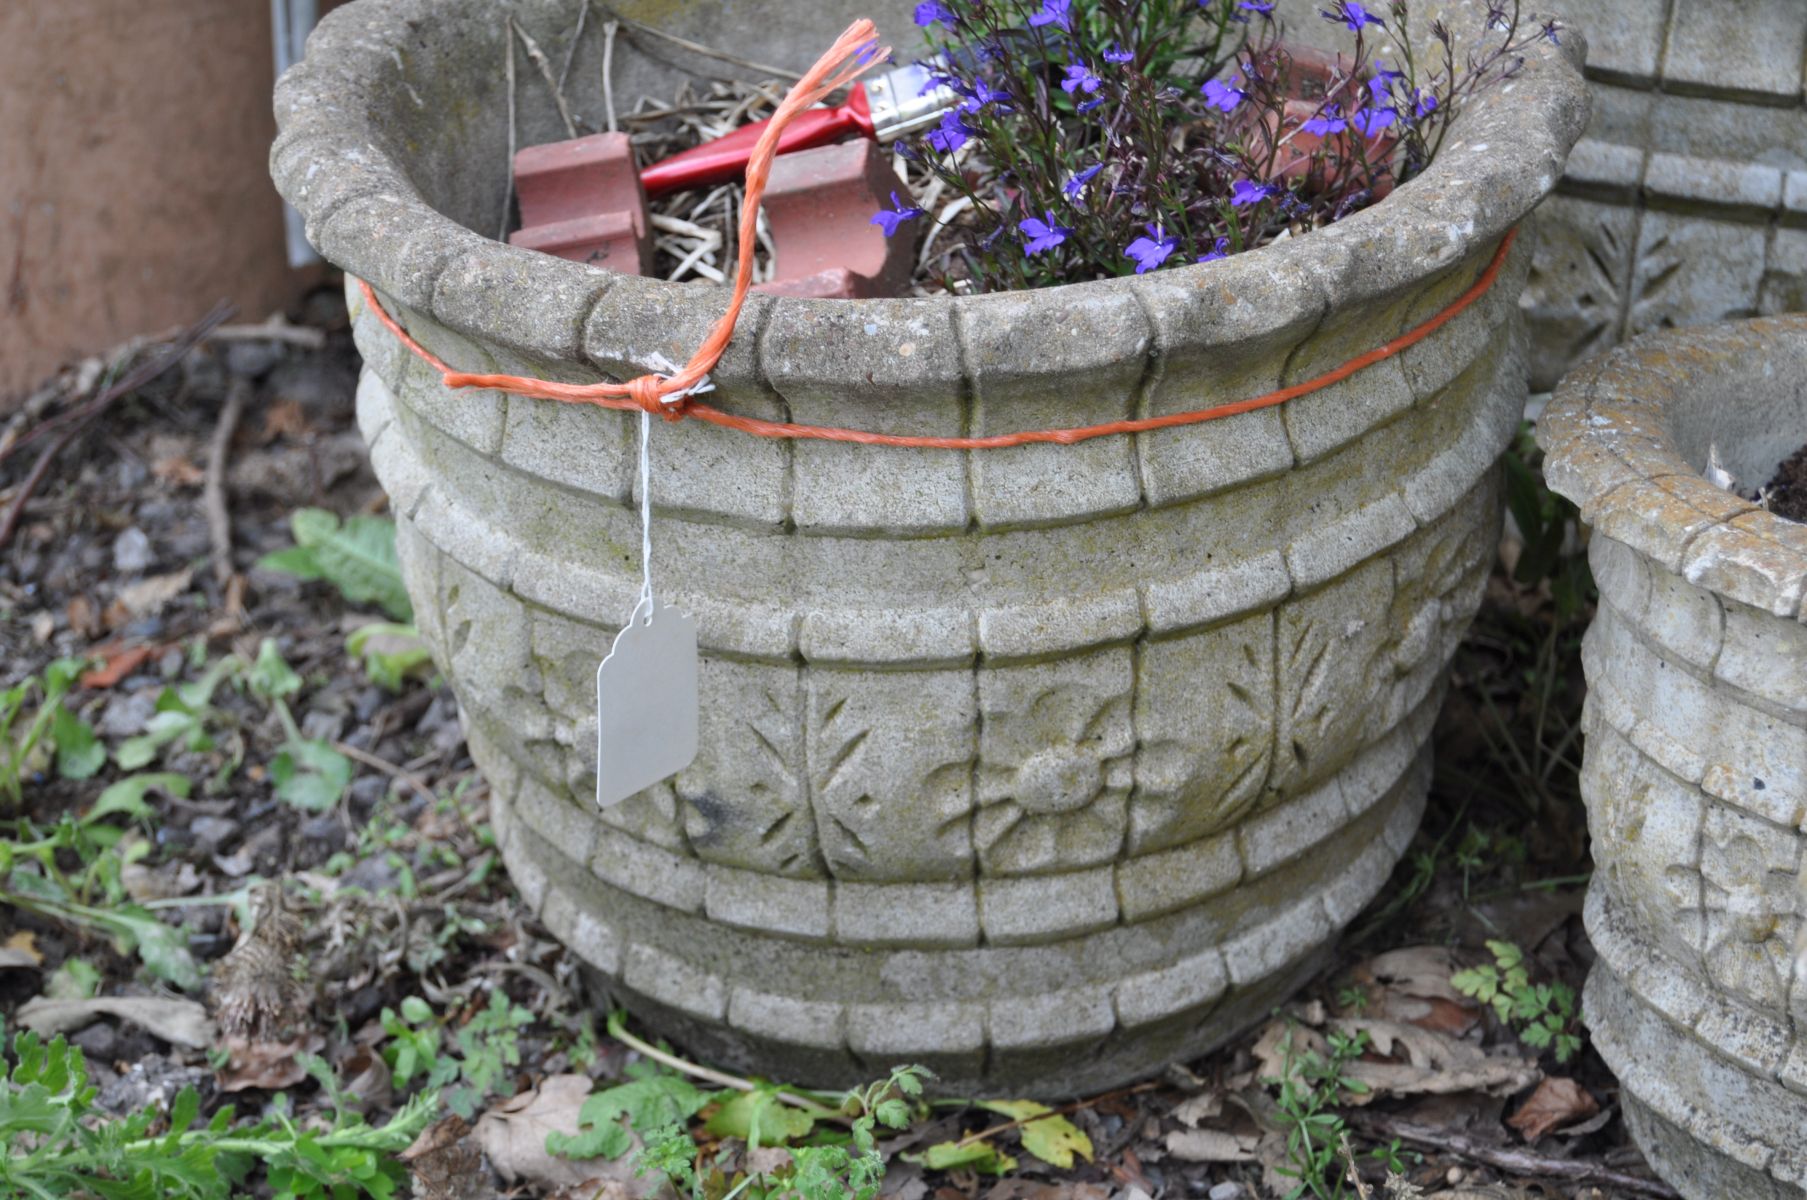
(370, 870)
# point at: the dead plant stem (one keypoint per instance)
(545, 67)
(508, 72)
(213, 490)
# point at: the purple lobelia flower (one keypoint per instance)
(1074, 186)
(1550, 29)
(1226, 96)
(1329, 121)
(1264, 7)
(1373, 119)
(1117, 54)
(1088, 105)
(1247, 191)
(1053, 12)
(980, 94)
(1219, 249)
(1151, 251)
(1381, 86)
(890, 219)
(951, 134)
(1350, 13)
(1043, 234)
(1425, 105)
(929, 12)
(1079, 79)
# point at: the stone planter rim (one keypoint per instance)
(1610, 448)
(335, 164)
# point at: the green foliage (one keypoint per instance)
(1310, 1088)
(53, 1142)
(1045, 1133)
(476, 1062)
(390, 653)
(847, 1167)
(358, 557)
(307, 772)
(1544, 521)
(182, 717)
(1543, 1014)
(53, 734)
(650, 1099)
(91, 894)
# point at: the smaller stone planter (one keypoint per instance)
(1696, 766)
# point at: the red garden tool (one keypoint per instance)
(885, 108)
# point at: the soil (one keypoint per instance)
(1787, 492)
(400, 895)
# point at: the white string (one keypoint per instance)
(661, 363)
(646, 517)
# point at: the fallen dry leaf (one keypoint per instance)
(446, 1163)
(1434, 1062)
(368, 1080)
(116, 663)
(147, 597)
(1555, 1103)
(21, 950)
(1412, 985)
(1018, 1188)
(284, 418)
(513, 1134)
(593, 1189)
(1198, 1109)
(177, 471)
(144, 883)
(1213, 1146)
(178, 1022)
(271, 1066)
(83, 617)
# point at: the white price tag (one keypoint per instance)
(646, 691)
(646, 703)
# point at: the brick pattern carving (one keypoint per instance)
(1686, 203)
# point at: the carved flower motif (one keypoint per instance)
(1054, 779)
(1751, 903)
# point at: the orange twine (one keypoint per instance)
(670, 395)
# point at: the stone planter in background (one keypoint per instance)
(1696, 763)
(1043, 767)
(1686, 202)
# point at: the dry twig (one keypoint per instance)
(213, 490)
(74, 422)
(508, 72)
(545, 65)
(1514, 1160)
(705, 51)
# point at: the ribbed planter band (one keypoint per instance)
(674, 406)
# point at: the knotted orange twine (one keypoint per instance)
(670, 396)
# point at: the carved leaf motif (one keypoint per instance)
(745, 801)
(1332, 657)
(890, 764)
(1575, 290)
(1204, 712)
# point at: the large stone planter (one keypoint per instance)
(1686, 202)
(1042, 766)
(1696, 762)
